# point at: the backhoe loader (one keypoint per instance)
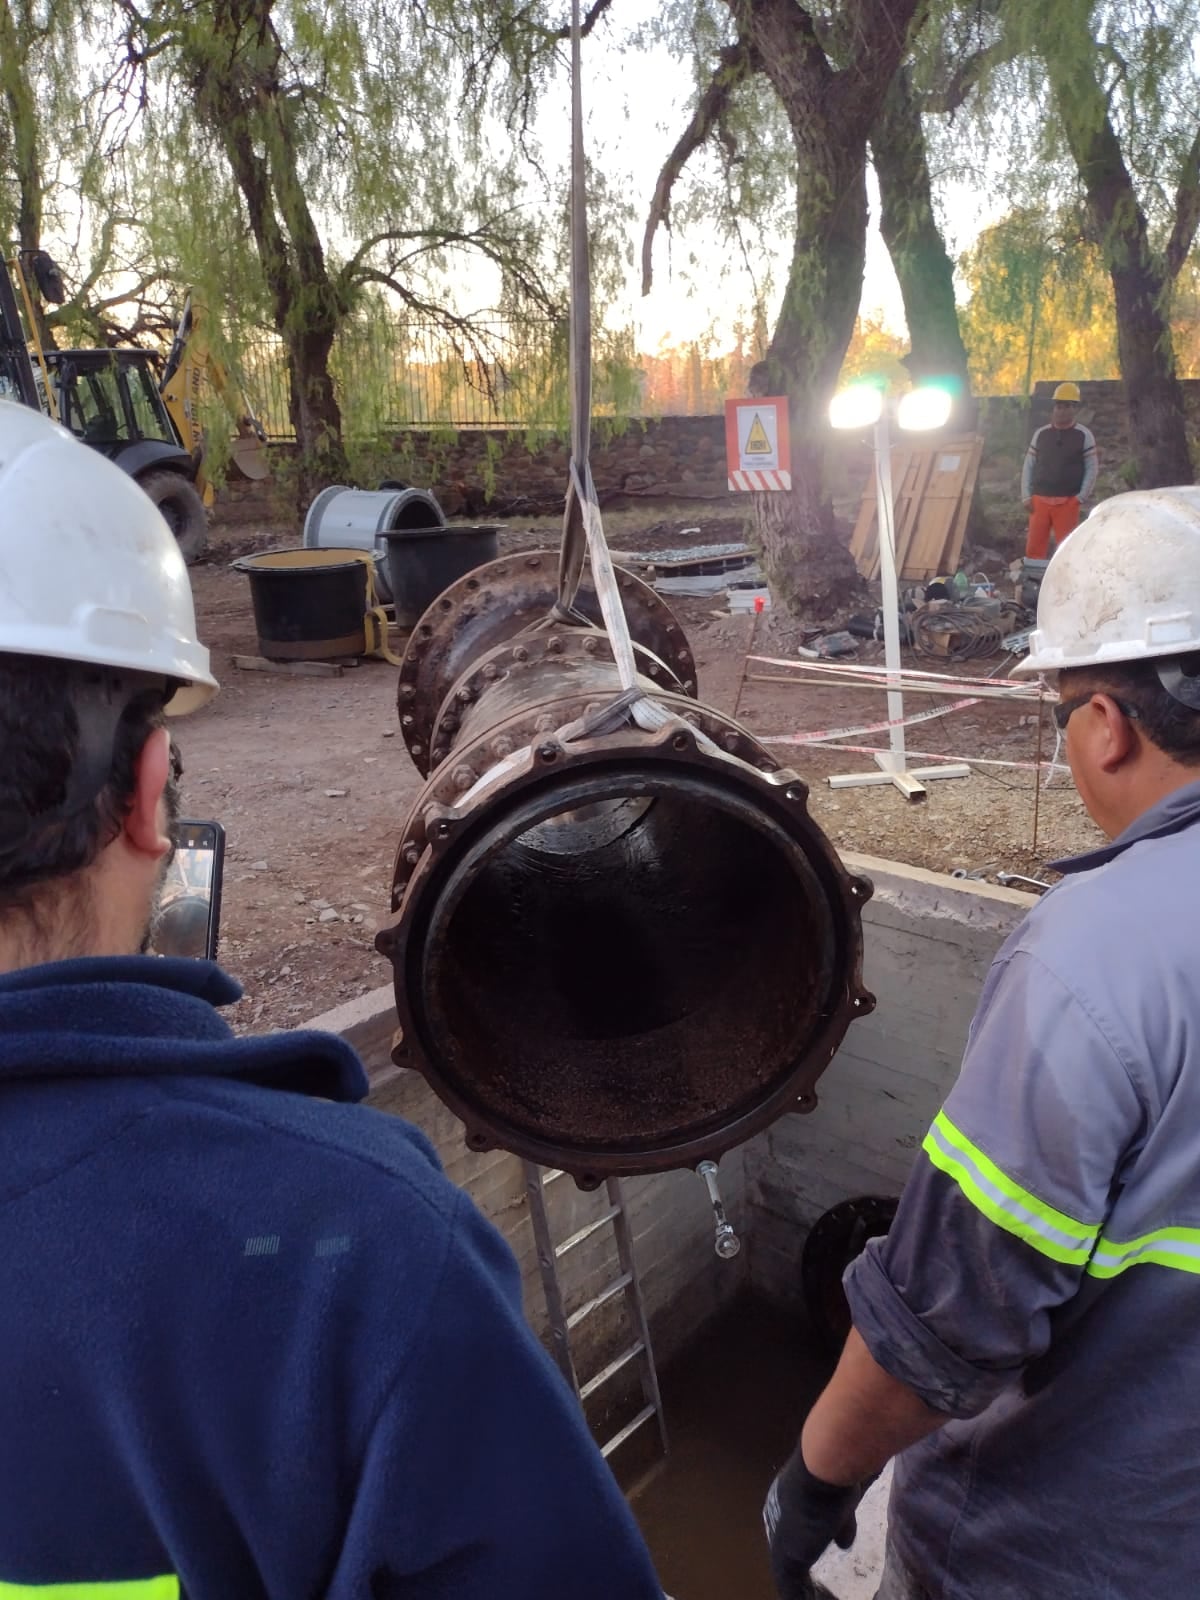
(140, 412)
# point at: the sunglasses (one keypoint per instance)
(1066, 709)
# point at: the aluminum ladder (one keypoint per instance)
(537, 1183)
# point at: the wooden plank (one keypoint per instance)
(862, 540)
(949, 462)
(864, 544)
(952, 553)
(907, 526)
(937, 519)
(292, 669)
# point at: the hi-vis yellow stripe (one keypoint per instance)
(1003, 1201)
(1053, 1233)
(1165, 1247)
(165, 1588)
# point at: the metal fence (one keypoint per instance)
(497, 374)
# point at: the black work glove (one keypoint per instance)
(802, 1515)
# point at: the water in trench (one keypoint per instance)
(734, 1401)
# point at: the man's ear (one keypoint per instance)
(1116, 738)
(142, 827)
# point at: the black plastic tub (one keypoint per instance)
(423, 562)
(308, 604)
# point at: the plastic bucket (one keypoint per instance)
(423, 562)
(309, 605)
(357, 519)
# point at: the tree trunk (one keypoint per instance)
(914, 240)
(24, 128)
(1157, 425)
(315, 413)
(810, 572)
(830, 114)
(238, 93)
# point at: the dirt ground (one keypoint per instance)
(313, 785)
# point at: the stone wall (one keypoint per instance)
(476, 471)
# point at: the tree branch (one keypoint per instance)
(967, 75)
(595, 11)
(464, 333)
(1187, 213)
(737, 63)
(431, 237)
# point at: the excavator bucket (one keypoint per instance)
(249, 456)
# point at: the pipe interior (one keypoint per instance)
(628, 968)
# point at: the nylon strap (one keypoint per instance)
(583, 530)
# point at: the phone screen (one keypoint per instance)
(187, 922)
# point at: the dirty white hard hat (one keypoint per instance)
(1124, 587)
(89, 570)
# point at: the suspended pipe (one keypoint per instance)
(616, 949)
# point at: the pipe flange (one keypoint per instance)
(502, 669)
(475, 757)
(494, 603)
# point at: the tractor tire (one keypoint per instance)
(181, 506)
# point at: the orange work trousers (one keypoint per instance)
(1057, 513)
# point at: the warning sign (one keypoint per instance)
(757, 445)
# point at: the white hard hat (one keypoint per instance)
(1124, 587)
(89, 570)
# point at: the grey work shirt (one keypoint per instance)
(1041, 1282)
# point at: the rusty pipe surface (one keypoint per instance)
(615, 950)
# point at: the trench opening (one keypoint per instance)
(632, 965)
(735, 1398)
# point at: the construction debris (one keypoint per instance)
(741, 600)
(293, 669)
(832, 645)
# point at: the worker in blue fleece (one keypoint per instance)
(1026, 1338)
(252, 1342)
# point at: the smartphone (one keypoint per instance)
(188, 919)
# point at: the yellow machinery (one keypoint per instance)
(143, 414)
(192, 367)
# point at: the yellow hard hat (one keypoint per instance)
(1068, 392)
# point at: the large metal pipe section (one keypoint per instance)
(617, 948)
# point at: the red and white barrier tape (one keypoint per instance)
(936, 755)
(822, 735)
(878, 677)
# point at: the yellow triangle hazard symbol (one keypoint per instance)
(757, 443)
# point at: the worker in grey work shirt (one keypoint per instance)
(1026, 1340)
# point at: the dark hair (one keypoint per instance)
(58, 719)
(1169, 724)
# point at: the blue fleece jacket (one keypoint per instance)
(253, 1343)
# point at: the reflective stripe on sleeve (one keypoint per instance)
(1165, 1247)
(164, 1588)
(1003, 1201)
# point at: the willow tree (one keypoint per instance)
(61, 174)
(1039, 302)
(1091, 89)
(829, 82)
(366, 147)
(1093, 104)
